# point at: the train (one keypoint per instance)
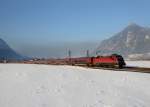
(109, 61)
(113, 60)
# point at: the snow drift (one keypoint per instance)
(32, 85)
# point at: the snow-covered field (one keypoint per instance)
(139, 63)
(23, 85)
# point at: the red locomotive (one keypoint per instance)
(113, 60)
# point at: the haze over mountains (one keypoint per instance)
(132, 42)
(47, 51)
(7, 53)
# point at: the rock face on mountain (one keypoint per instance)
(7, 53)
(132, 42)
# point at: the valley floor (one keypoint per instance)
(24, 85)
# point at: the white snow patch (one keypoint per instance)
(147, 37)
(24, 85)
(138, 63)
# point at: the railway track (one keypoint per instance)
(127, 68)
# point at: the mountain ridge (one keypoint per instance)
(7, 53)
(133, 39)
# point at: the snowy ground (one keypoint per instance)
(25, 85)
(139, 63)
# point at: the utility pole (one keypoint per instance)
(87, 53)
(69, 55)
(97, 52)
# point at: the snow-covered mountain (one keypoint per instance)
(131, 42)
(7, 53)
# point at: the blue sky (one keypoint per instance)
(50, 23)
